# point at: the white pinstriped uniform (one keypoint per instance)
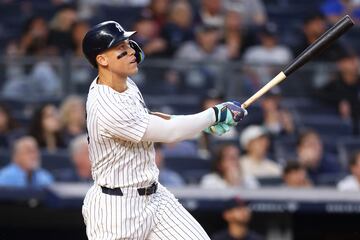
(116, 123)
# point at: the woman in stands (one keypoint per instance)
(227, 172)
(45, 128)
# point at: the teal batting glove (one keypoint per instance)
(217, 129)
(230, 113)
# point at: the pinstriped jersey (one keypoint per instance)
(116, 123)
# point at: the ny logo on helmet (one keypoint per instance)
(119, 27)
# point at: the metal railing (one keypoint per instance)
(33, 78)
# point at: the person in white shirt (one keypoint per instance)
(268, 56)
(352, 181)
(255, 141)
(227, 171)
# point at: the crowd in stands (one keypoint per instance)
(283, 142)
(203, 31)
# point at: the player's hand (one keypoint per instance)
(218, 129)
(230, 113)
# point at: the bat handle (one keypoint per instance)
(281, 76)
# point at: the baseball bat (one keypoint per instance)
(312, 50)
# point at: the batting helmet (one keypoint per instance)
(106, 35)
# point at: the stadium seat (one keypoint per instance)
(191, 169)
(180, 149)
(5, 157)
(55, 161)
(270, 181)
(327, 125)
(329, 180)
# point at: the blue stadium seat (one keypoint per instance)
(5, 157)
(191, 169)
(329, 180)
(327, 125)
(270, 181)
(180, 149)
(58, 160)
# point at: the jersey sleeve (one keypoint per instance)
(121, 118)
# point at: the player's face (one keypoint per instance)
(121, 59)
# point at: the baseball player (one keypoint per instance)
(126, 200)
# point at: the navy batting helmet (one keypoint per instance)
(106, 35)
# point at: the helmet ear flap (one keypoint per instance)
(139, 53)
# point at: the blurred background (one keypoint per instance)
(290, 170)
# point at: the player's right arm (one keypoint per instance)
(188, 126)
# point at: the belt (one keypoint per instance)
(142, 191)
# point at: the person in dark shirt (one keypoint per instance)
(311, 155)
(343, 91)
(45, 128)
(238, 215)
(313, 27)
(179, 27)
(60, 28)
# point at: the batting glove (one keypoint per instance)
(230, 113)
(218, 129)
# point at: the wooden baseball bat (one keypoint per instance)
(312, 50)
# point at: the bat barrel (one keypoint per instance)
(320, 44)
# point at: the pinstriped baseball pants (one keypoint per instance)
(155, 217)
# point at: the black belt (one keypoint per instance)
(142, 191)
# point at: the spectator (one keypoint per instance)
(158, 11)
(238, 216)
(236, 37)
(35, 37)
(310, 154)
(211, 13)
(313, 27)
(277, 120)
(25, 170)
(36, 78)
(255, 141)
(343, 92)
(7, 126)
(269, 51)
(167, 177)
(60, 28)
(78, 31)
(147, 35)
(72, 115)
(294, 175)
(268, 55)
(352, 181)
(336, 9)
(206, 46)
(45, 128)
(227, 171)
(253, 11)
(178, 28)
